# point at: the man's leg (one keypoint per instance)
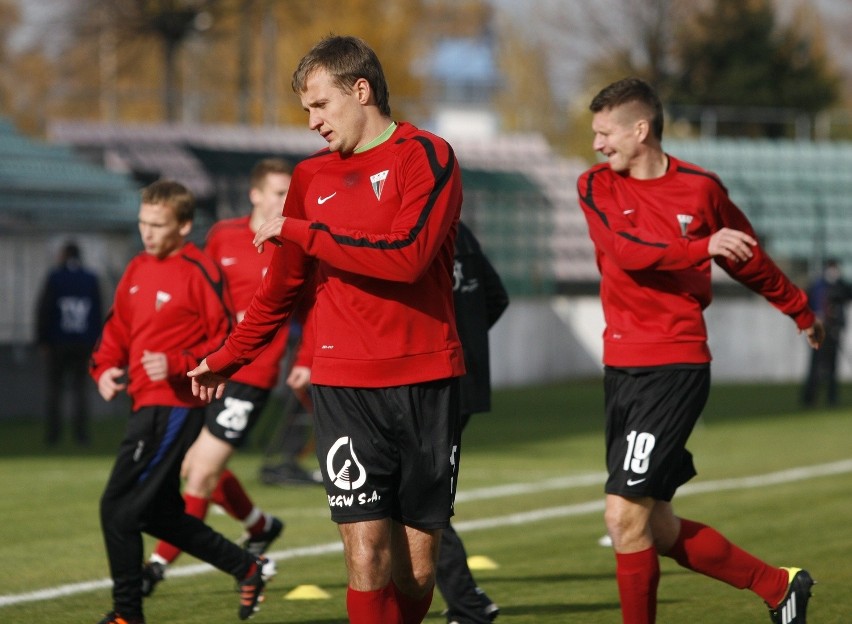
(637, 566)
(702, 549)
(261, 529)
(53, 397)
(202, 465)
(831, 350)
(79, 371)
(455, 581)
(370, 598)
(414, 559)
(391, 571)
(809, 388)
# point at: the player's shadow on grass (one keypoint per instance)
(546, 578)
(559, 608)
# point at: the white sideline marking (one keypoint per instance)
(740, 483)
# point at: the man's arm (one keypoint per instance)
(288, 274)
(762, 275)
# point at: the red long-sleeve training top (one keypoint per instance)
(380, 227)
(651, 239)
(175, 305)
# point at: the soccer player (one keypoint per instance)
(656, 222)
(375, 214)
(167, 313)
(230, 419)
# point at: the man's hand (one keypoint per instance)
(299, 378)
(206, 384)
(156, 365)
(108, 384)
(732, 244)
(269, 231)
(815, 334)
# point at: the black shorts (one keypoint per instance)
(232, 417)
(650, 414)
(389, 452)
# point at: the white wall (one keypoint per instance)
(550, 339)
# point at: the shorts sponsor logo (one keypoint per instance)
(346, 473)
(235, 416)
(631, 482)
(343, 467)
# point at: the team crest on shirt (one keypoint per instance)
(162, 299)
(377, 180)
(684, 220)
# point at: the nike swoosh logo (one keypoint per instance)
(634, 482)
(322, 200)
(228, 261)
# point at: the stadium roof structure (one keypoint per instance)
(153, 151)
(49, 187)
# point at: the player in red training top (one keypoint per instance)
(168, 312)
(656, 223)
(375, 215)
(230, 419)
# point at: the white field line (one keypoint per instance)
(537, 515)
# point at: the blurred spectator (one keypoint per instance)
(68, 324)
(827, 296)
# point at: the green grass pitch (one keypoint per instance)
(546, 442)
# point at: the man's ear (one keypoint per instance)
(642, 129)
(362, 90)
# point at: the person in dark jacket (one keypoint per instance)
(827, 296)
(69, 321)
(480, 299)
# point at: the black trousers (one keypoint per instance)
(454, 579)
(143, 495)
(823, 369)
(67, 369)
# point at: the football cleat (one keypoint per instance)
(251, 587)
(793, 609)
(259, 544)
(115, 618)
(490, 610)
(152, 573)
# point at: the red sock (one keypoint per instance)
(194, 506)
(230, 495)
(413, 610)
(705, 550)
(638, 575)
(373, 607)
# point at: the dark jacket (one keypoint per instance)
(480, 299)
(69, 310)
